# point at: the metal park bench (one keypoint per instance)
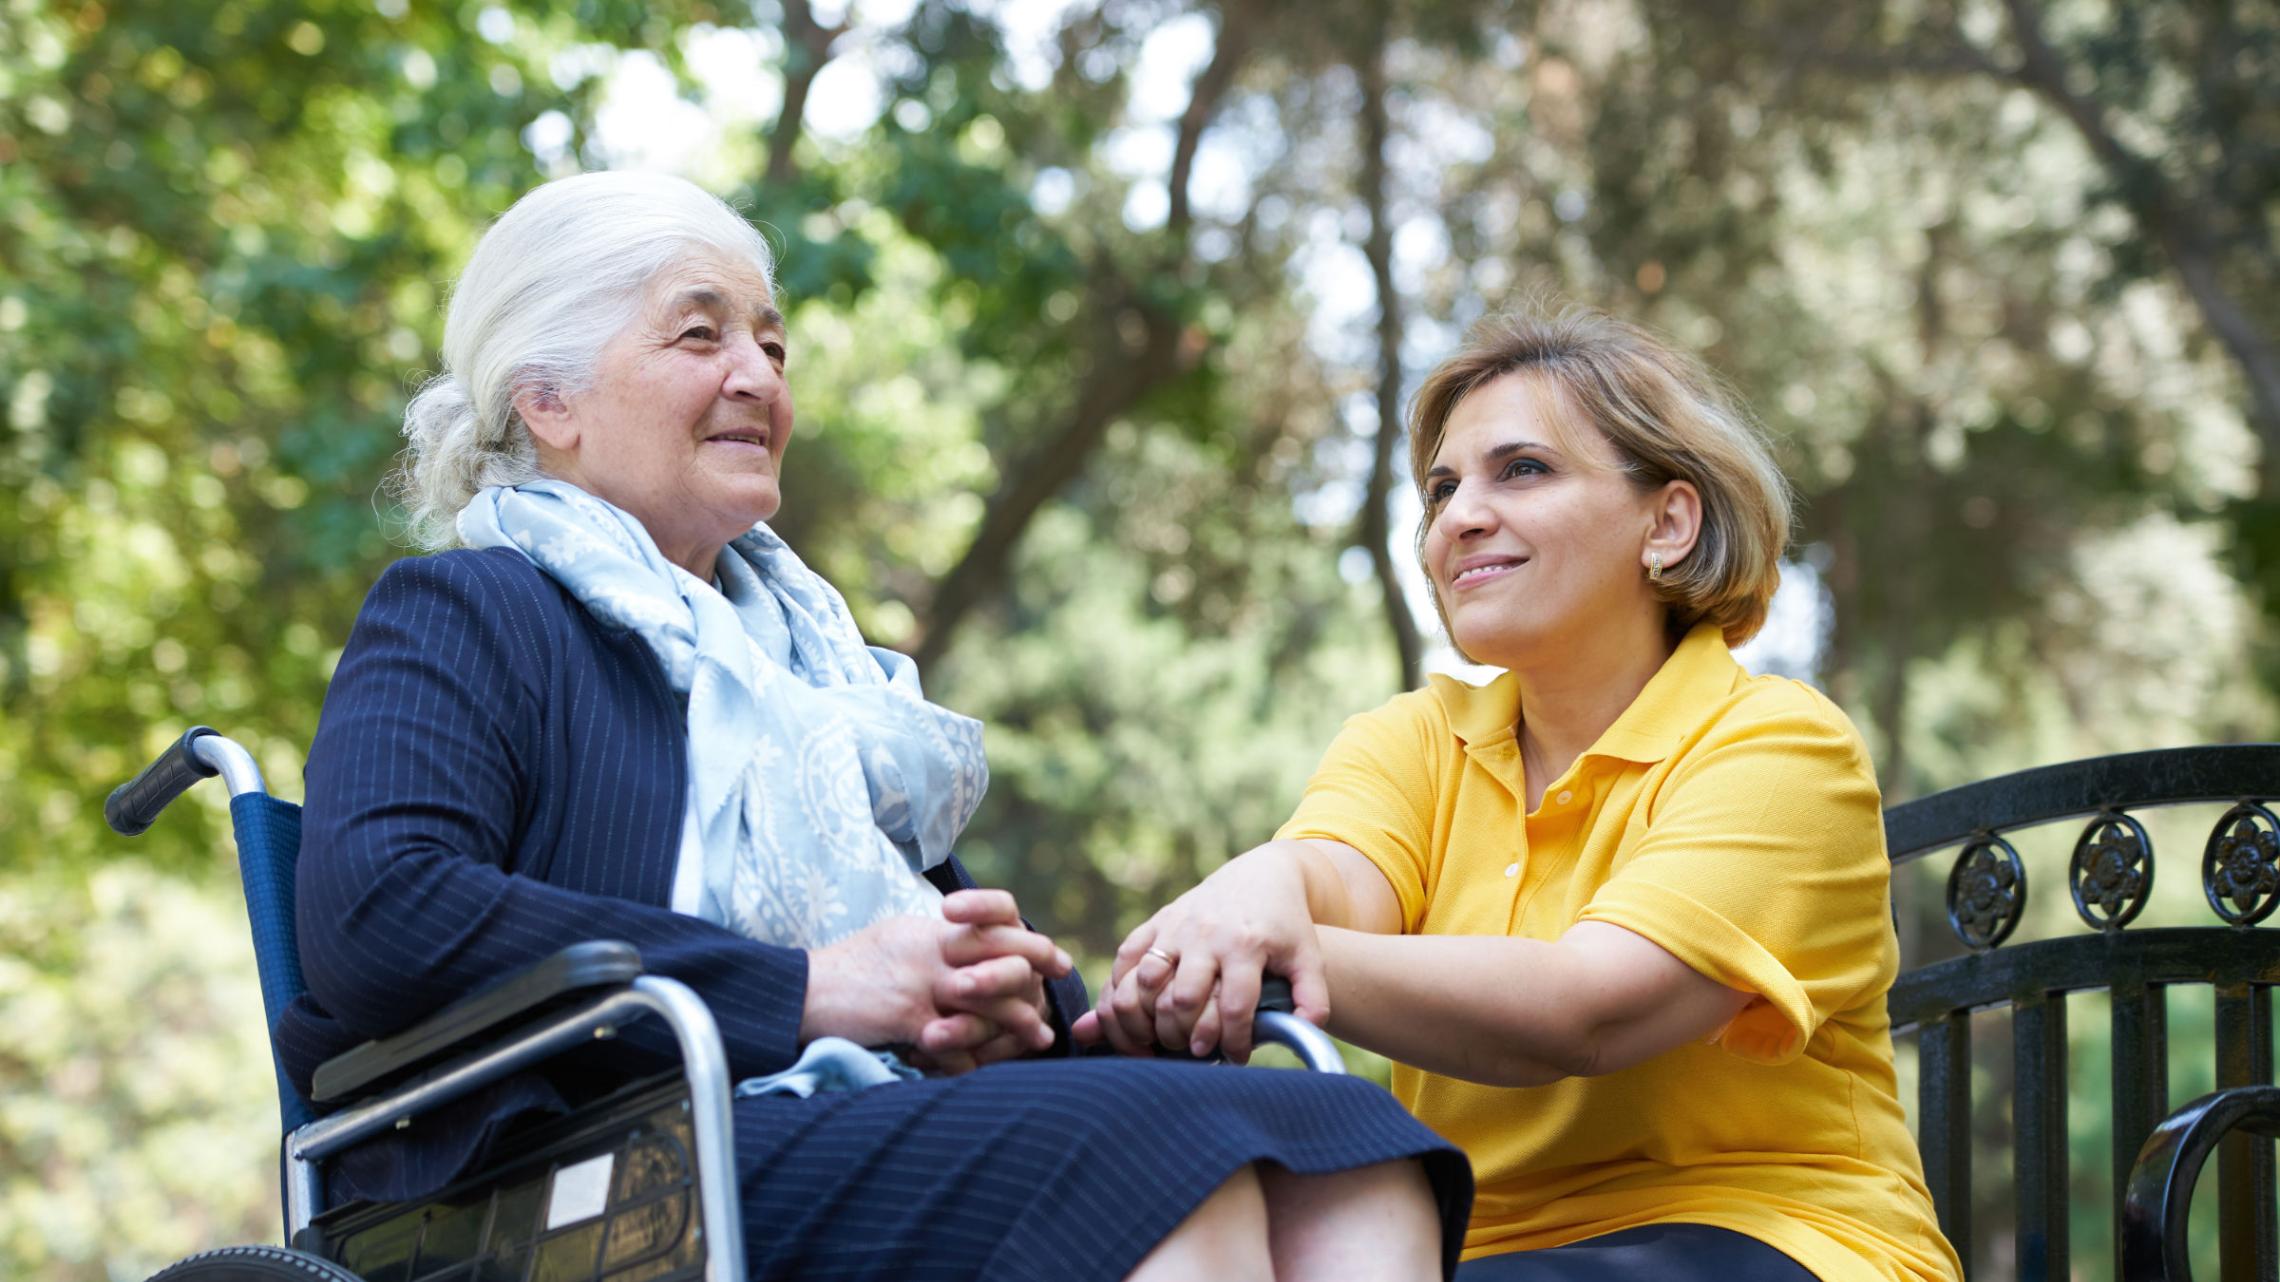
(2158, 1153)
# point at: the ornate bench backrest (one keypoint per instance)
(2110, 877)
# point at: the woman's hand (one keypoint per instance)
(996, 955)
(964, 991)
(1190, 975)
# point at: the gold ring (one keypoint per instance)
(1169, 960)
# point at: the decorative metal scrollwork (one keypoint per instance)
(2240, 868)
(2111, 875)
(1986, 893)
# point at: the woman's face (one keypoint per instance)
(687, 417)
(1536, 540)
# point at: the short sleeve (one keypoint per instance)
(1374, 791)
(1763, 868)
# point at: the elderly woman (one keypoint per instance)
(626, 710)
(1620, 915)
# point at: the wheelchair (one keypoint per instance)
(638, 1186)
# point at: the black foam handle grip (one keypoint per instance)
(1274, 994)
(134, 805)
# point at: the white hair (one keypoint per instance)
(550, 283)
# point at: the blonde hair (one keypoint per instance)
(1668, 417)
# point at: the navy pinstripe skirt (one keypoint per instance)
(1068, 1169)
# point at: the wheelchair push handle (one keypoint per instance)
(200, 753)
(1274, 996)
(1277, 1023)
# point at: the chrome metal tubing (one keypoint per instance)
(230, 758)
(329, 1135)
(304, 1188)
(1312, 1046)
(704, 1065)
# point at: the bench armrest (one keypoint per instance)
(2160, 1192)
(592, 964)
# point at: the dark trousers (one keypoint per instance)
(1649, 1253)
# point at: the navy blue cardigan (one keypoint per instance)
(498, 775)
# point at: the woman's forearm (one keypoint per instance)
(1519, 1012)
(1474, 1007)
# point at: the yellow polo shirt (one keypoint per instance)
(1734, 820)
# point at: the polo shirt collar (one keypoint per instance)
(1481, 715)
(1698, 673)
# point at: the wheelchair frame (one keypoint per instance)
(203, 753)
(625, 996)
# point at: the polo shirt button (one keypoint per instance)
(1566, 795)
(1511, 870)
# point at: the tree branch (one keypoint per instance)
(1237, 25)
(807, 47)
(1117, 382)
(1123, 370)
(1941, 62)
(2175, 224)
(2180, 231)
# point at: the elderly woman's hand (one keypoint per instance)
(1190, 975)
(964, 991)
(996, 998)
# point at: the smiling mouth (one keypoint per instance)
(1480, 574)
(759, 439)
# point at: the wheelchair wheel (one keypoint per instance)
(253, 1264)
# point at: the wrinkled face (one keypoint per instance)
(1534, 535)
(685, 422)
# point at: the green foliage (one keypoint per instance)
(2032, 484)
(1140, 696)
(137, 1118)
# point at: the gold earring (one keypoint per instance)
(1654, 567)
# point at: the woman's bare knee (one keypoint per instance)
(1225, 1236)
(1376, 1222)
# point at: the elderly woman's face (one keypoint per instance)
(1535, 537)
(687, 417)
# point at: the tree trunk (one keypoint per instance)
(1374, 530)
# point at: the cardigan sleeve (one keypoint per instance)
(420, 779)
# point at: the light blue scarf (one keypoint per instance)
(823, 781)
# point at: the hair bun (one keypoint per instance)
(443, 461)
(442, 405)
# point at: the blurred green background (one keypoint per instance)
(1102, 313)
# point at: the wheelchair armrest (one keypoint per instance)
(592, 964)
(2160, 1190)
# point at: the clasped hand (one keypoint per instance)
(960, 992)
(1190, 975)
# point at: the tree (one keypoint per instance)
(1076, 421)
(2176, 109)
